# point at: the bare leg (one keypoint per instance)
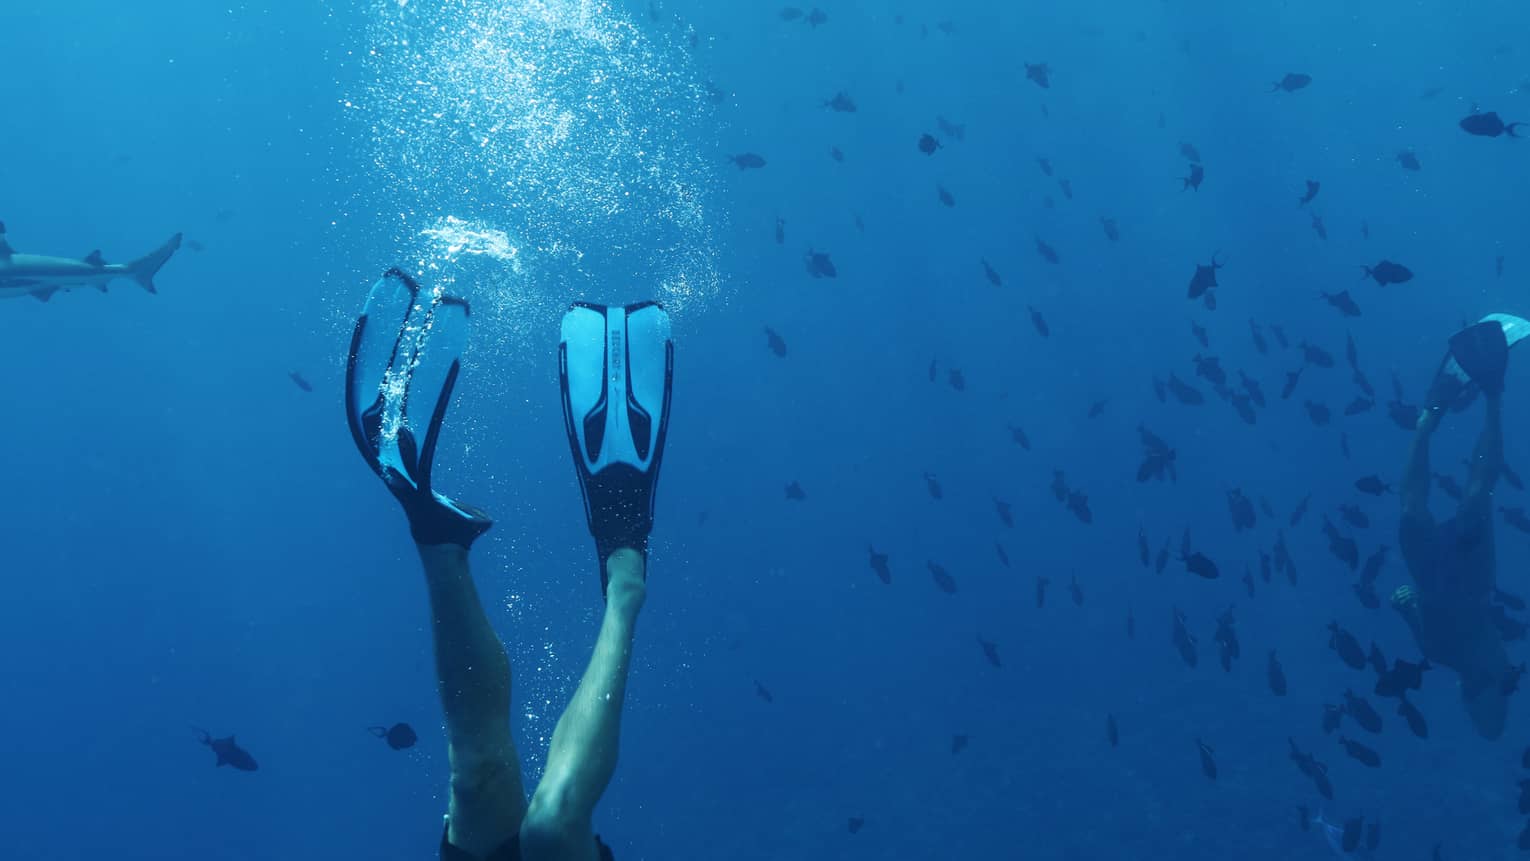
(582, 756)
(1416, 478)
(1487, 459)
(473, 678)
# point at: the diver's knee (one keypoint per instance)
(557, 825)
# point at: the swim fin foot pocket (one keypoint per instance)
(1482, 351)
(615, 367)
(404, 360)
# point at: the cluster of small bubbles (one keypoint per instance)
(554, 138)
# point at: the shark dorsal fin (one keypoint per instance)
(94, 258)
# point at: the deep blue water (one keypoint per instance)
(189, 539)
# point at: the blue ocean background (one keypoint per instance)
(188, 539)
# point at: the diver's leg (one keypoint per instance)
(1416, 478)
(473, 678)
(1417, 532)
(582, 757)
(1487, 460)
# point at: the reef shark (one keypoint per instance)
(40, 277)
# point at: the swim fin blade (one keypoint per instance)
(616, 367)
(1482, 351)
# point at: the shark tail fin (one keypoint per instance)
(144, 269)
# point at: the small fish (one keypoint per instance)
(1360, 753)
(1373, 485)
(1018, 435)
(747, 161)
(795, 493)
(1258, 336)
(1039, 322)
(1318, 356)
(297, 380)
(932, 484)
(1198, 332)
(228, 751)
(1067, 188)
(1045, 164)
(1184, 392)
(954, 131)
(1318, 227)
(1143, 554)
(1497, 265)
(1376, 659)
(1075, 591)
(400, 736)
(1312, 191)
(819, 265)
(879, 565)
(1194, 180)
(1280, 335)
(855, 824)
(956, 379)
(1040, 74)
(1047, 252)
(958, 744)
(762, 692)
(1201, 566)
(1344, 302)
(1276, 675)
(816, 18)
(839, 156)
(1344, 444)
(1489, 125)
(780, 231)
(790, 13)
(1189, 152)
(945, 196)
(1204, 279)
(1112, 232)
(943, 580)
(1347, 647)
(1003, 557)
(1318, 413)
(928, 144)
(1112, 733)
(1292, 82)
(1292, 378)
(841, 103)
(1361, 711)
(1006, 515)
(1208, 759)
(1365, 229)
(1403, 676)
(775, 342)
(1414, 718)
(1408, 159)
(1078, 503)
(1161, 561)
(1253, 389)
(1358, 406)
(991, 274)
(990, 651)
(1041, 591)
(1358, 519)
(1386, 272)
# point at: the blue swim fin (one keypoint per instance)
(616, 365)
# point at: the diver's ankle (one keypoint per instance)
(626, 589)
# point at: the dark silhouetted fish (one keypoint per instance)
(928, 144)
(1075, 591)
(1210, 368)
(1041, 591)
(1292, 82)
(1059, 486)
(775, 342)
(1184, 641)
(1047, 252)
(1258, 336)
(1349, 840)
(1252, 388)
(1402, 414)
(1403, 676)
(841, 103)
(1046, 165)
(1318, 356)
(1194, 180)
(1347, 647)
(297, 380)
(1300, 510)
(816, 18)
(1097, 409)
(1241, 508)
(1376, 659)
(855, 824)
(780, 231)
(1415, 718)
(1280, 335)
(879, 565)
(1039, 322)
(1358, 406)
(1018, 435)
(1184, 392)
(1003, 557)
(1226, 639)
(1498, 266)
(958, 744)
(1408, 159)
(839, 156)
(1357, 708)
(945, 196)
(1292, 378)
(1161, 561)
(819, 265)
(1276, 675)
(1039, 73)
(1318, 414)
(1340, 545)
(954, 131)
(228, 751)
(1489, 125)
(795, 493)
(1363, 383)
(957, 381)
(1143, 553)
(747, 161)
(1199, 333)
(762, 692)
(1005, 515)
(1344, 302)
(1112, 232)
(991, 274)
(1312, 191)
(1319, 227)
(790, 13)
(932, 484)
(1386, 272)
(1208, 759)
(1078, 503)
(1373, 485)
(1360, 753)
(1357, 518)
(990, 651)
(400, 736)
(1067, 188)
(1189, 152)
(945, 581)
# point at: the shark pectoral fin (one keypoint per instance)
(44, 295)
(94, 258)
